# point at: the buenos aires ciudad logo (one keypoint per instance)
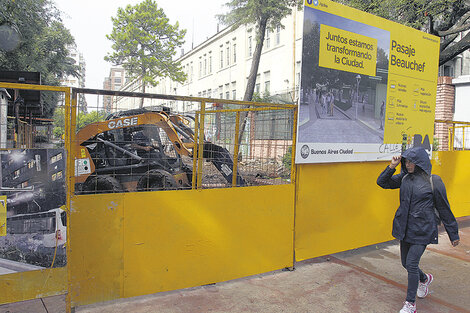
(304, 151)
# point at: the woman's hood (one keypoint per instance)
(419, 157)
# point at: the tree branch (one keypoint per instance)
(449, 25)
(453, 31)
(460, 26)
(447, 42)
(452, 51)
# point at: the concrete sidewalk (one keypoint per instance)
(368, 279)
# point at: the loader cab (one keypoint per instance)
(143, 144)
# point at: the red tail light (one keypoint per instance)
(58, 235)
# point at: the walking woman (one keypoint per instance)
(415, 222)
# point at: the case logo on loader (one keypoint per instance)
(123, 122)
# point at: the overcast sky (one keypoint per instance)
(89, 21)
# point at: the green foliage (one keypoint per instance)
(83, 119)
(265, 97)
(144, 42)
(42, 46)
(245, 12)
(447, 19)
(435, 144)
(287, 158)
(59, 122)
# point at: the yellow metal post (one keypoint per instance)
(195, 150)
(452, 137)
(201, 144)
(235, 150)
(70, 127)
(294, 138)
(463, 137)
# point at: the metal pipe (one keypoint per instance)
(200, 145)
(235, 150)
(132, 155)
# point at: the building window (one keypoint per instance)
(221, 92)
(448, 71)
(55, 158)
(17, 174)
(268, 39)
(234, 53)
(250, 47)
(278, 34)
(257, 84)
(267, 83)
(200, 67)
(228, 54)
(192, 72)
(205, 65)
(31, 164)
(56, 176)
(221, 57)
(209, 93)
(234, 90)
(210, 63)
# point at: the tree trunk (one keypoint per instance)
(250, 85)
(143, 89)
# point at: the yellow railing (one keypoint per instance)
(452, 135)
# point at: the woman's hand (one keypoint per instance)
(455, 243)
(395, 161)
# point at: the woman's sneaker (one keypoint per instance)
(423, 288)
(408, 307)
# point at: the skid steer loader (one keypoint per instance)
(142, 150)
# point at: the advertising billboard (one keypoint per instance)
(33, 220)
(368, 86)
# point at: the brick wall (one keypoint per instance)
(445, 99)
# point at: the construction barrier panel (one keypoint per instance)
(33, 196)
(132, 244)
(340, 207)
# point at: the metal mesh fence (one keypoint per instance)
(264, 145)
(145, 142)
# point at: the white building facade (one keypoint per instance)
(219, 67)
(77, 82)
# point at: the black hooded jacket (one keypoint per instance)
(415, 221)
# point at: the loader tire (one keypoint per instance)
(101, 184)
(156, 180)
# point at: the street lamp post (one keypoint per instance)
(358, 79)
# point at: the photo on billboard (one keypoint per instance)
(357, 99)
(33, 195)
